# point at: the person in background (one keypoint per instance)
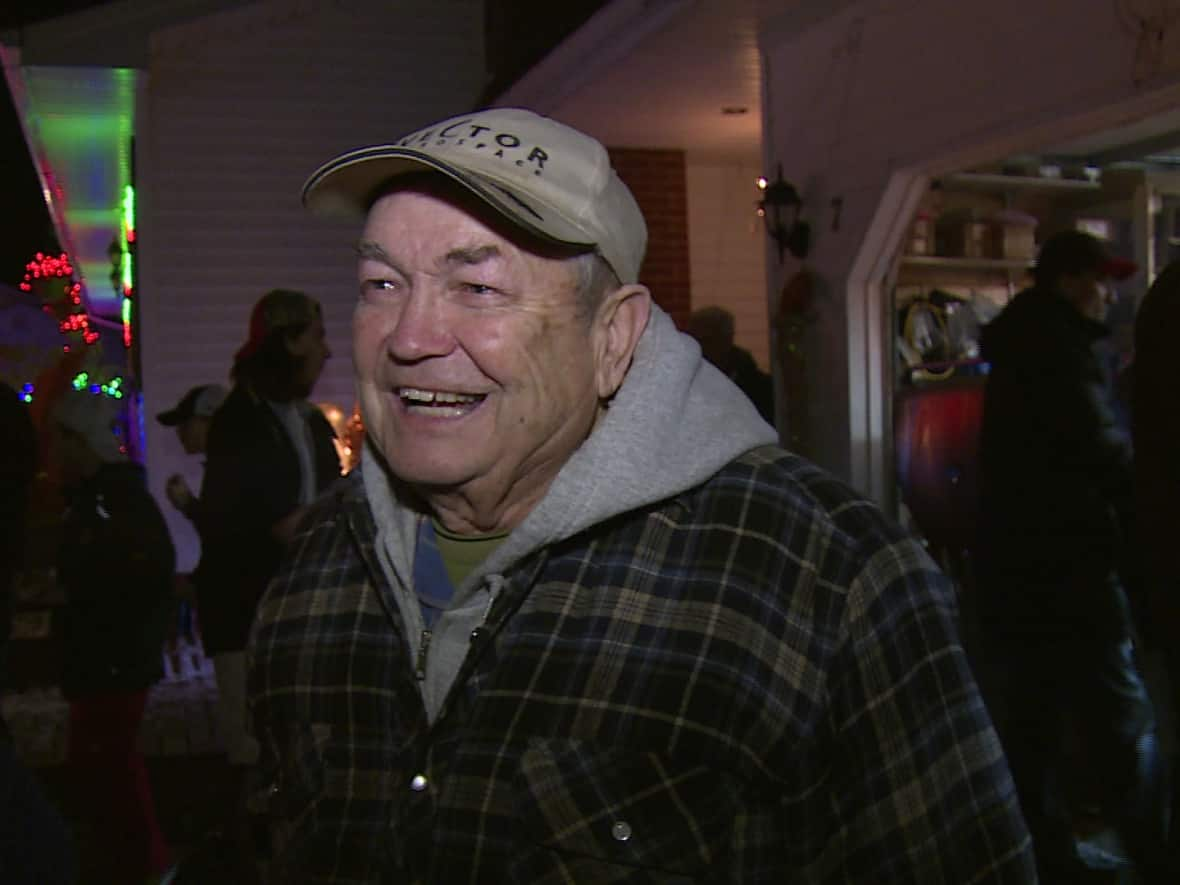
(713, 328)
(35, 845)
(1155, 430)
(575, 617)
(1055, 519)
(18, 466)
(270, 453)
(116, 569)
(192, 418)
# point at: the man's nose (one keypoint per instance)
(421, 328)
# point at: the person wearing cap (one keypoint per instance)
(191, 417)
(269, 453)
(576, 617)
(115, 567)
(1055, 516)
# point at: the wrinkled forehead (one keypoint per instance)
(439, 187)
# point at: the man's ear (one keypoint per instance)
(620, 321)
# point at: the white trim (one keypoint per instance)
(869, 323)
(870, 376)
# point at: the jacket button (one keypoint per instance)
(418, 783)
(620, 831)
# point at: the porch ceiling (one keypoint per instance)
(679, 74)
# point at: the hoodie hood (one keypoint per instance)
(675, 422)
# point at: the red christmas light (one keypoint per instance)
(44, 267)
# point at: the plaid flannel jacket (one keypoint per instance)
(755, 681)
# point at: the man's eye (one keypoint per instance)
(375, 286)
(477, 289)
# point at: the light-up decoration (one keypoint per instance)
(52, 279)
(127, 265)
(350, 433)
(113, 388)
(75, 320)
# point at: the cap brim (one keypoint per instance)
(347, 185)
(171, 418)
(1118, 268)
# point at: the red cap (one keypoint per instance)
(1117, 268)
(277, 309)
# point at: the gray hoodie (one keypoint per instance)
(674, 423)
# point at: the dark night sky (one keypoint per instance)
(25, 227)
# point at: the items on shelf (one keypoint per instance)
(938, 335)
(974, 233)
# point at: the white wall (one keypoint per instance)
(863, 100)
(727, 246)
(238, 109)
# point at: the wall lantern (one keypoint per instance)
(779, 208)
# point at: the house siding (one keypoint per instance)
(237, 110)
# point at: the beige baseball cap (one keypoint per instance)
(545, 177)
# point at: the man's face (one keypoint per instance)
(1088, 293)
(310, 348)
(476, 372)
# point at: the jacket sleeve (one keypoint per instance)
(127, 537)
(922, 785)
(238, 497)
(1080, 418)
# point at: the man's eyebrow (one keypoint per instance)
(369, 249)
(471, 256)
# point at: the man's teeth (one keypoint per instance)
(413, 394)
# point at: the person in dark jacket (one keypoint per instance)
(269, 454)
(116, 568)
(1056, 510)
(1155, 428)
(35, 845)
(18, 465)
(1155, 431)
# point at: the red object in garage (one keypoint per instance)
(936, 440)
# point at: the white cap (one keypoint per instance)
(199, 402)
(545, 177)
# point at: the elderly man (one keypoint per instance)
(576, 618)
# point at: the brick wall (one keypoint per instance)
(657, 179)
